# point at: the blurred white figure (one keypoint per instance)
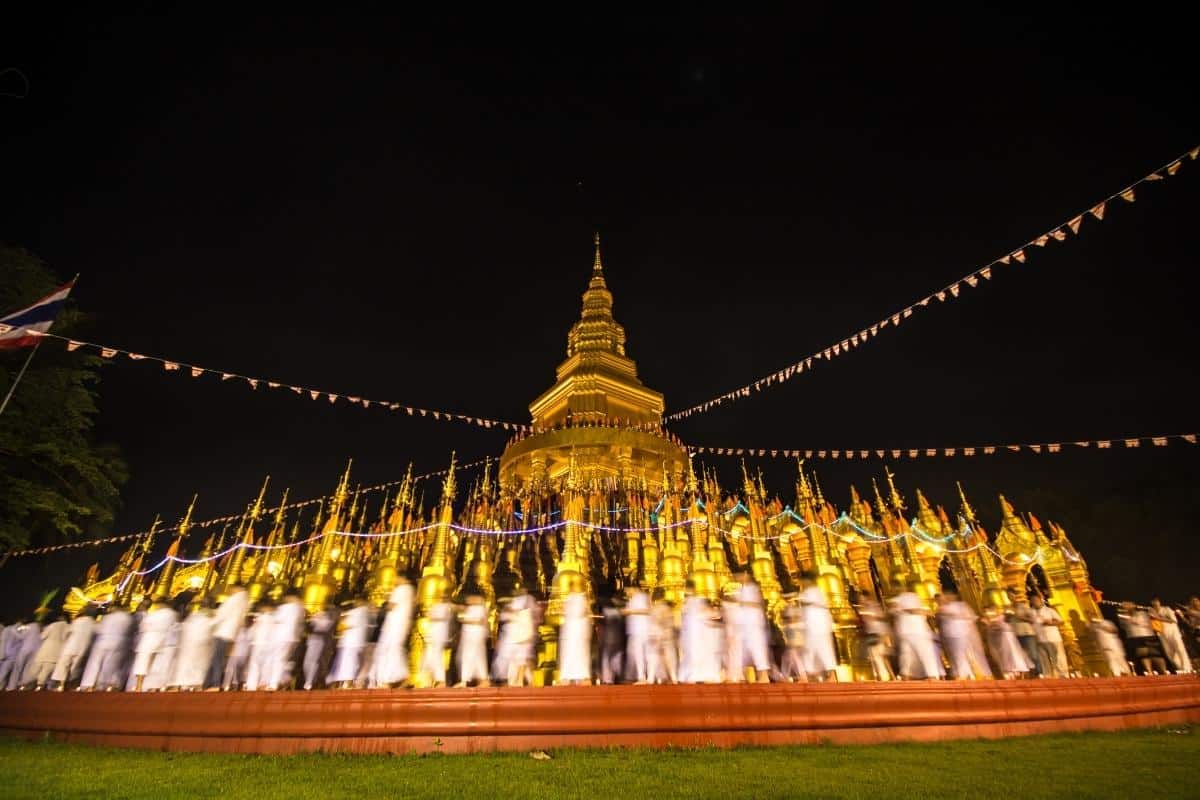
(54, 636)
(390, 660)
(472, 643)
(791, 666)
(700, 637)
(162, 666)
(520, 632)
(917, 652)
(355, 627)
(156, 624)
(821, 655)
(73, 656)
(317, 645)
(662, 666)
(195, 649)
(228, 620)
(637, 635)
(433, 657)
(957, 623)
(1109, 643)
(1010, 656)
(258, 660)
(238, 663)
(1168, 634)
(878, 639)
(286, 629)
(105, 664)
(612, 645)
(575, 640)
(30, 641)
(752, 629)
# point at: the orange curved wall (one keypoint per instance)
(471, 720)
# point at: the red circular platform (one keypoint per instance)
(471, 720)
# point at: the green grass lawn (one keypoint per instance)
(1151, 763)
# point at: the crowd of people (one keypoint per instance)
(635, 638)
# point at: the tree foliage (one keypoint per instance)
(56, 482)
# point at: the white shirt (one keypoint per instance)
(230, 615)
(1047, 628)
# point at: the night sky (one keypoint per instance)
(402, 209)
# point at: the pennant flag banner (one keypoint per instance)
(128, 537)
(951, 452)
(953, 290)
(196, 372)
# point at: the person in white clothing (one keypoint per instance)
(161, 674)
(1052, 657)
(575, 640)
(10, 643)
(1168, 633)
(1108, 641)
(73, 657)
(752, 629)
(472, 643)
(917, 653)
(637, 635)
(156, 624)
(700, 641)
(227, 621)
(957, 623)
(663, 663)
(1011, 658)
(22, 666)
(355, 626)
(258, 661)
(105, 664)
(53, 637)
(437, 637)
(821, 655)
(195, 649)
(318, 646)
(238, 663)
(286, 630)
(520, 631)
(878, 640)
(389, 662)
(791, 666)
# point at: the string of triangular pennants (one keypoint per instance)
(897, 453)
(126, 537)
(109, 352)
(972, 280)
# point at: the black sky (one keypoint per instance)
(402, 209)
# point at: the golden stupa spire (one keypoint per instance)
(597, 267)
(897, 501)
(968, 513)
(691, 476)
(256, 509)
(280, 513)
(185, 524)
(449, 486)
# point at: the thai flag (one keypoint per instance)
(23, 328)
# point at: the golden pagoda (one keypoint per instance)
(597, 497)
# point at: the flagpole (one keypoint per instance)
(20, 375)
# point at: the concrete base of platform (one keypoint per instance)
(475, 720)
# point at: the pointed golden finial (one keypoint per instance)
(968, 513)
(185, 524)
(353, 506)
(897, 500)
(691, 476)
(449, 487)
(383, 510)
(880, 507)
(256, 509)
(855, 500)
(281, 512)
(343, 488)
(486, 487)
(597, 267)
(148, 540)
(1006, 509)
(817, 489)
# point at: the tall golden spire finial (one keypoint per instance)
(281, 512)
(449, 486)
(817, 488)
(597, 267)
(185, 524)
(897, 500)
(691, 476)
(968, 513)
(256, 509)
